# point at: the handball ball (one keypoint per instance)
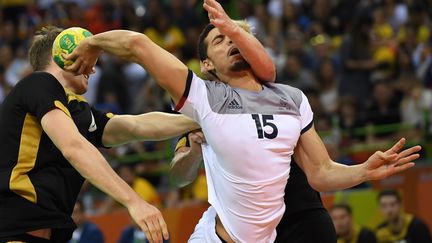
(66, 42)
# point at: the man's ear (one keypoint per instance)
(207, 68)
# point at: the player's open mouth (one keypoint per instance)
(234, 51)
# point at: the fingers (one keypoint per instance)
(408, 159)
(195, 138)
(155, 231)
(71, 56)
(212, 12)
(409, 151)
(397, 147)
(164, 228)
(74, 67)
(152, 230)
(146, 231)
(398, 169)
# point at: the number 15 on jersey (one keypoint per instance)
(263, 121)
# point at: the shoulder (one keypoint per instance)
(39, 78)
(288, 91)
(417, 222)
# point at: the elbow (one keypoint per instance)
(136, 43)
(317, 181)
(71, 150)
(316, 185)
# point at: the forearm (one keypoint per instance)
(116, 42)
(165, 68)
(90, 163)
(152, 126)
(161, 126)
(255, 54)
(184, 168)
(334, 176)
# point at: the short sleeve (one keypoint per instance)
(306, 114)
(194, 102)
(100, 119)
(42, 93)
(183, 141)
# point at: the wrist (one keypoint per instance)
(363, 172)
(131, 199)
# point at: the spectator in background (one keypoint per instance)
(399, 226)
(346, 230)
(350, 118)
(295, 75)
(384, 109)
(357, 62)
(326, 77)
(86, 231)
(416, 105)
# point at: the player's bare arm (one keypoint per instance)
(165, 68)
(250, 48)
(187, 160)
(88, 161)
(152, 126)
(324, 174)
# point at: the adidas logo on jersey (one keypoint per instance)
(234, 105)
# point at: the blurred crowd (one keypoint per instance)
(365, 66)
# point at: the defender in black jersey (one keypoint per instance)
(48, 140)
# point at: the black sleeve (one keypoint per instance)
(42, 93)
(101, 119)
(419, 232)
(183, 141)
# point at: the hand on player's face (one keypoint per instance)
(219, 18)
(85, 58)
(384, 164)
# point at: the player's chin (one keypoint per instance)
(240, 65)
(82, 89)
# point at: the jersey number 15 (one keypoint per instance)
(265, 122)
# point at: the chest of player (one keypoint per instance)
(252, 134)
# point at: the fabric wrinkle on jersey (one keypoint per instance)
(258, 129)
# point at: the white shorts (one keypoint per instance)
(205, 230)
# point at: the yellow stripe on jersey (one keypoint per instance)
(72, 96)
(60, 105)
(29, 145)
(181, 143)
(15, 242)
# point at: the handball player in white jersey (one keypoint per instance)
(251, 129)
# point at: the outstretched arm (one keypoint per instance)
(166, 69)
(324, 174)
(187, 159)
(150, 126)
(250, 48)
(88, 161)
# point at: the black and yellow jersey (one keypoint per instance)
(38, 186)
(413, 231)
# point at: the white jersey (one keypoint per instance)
(250, 139)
